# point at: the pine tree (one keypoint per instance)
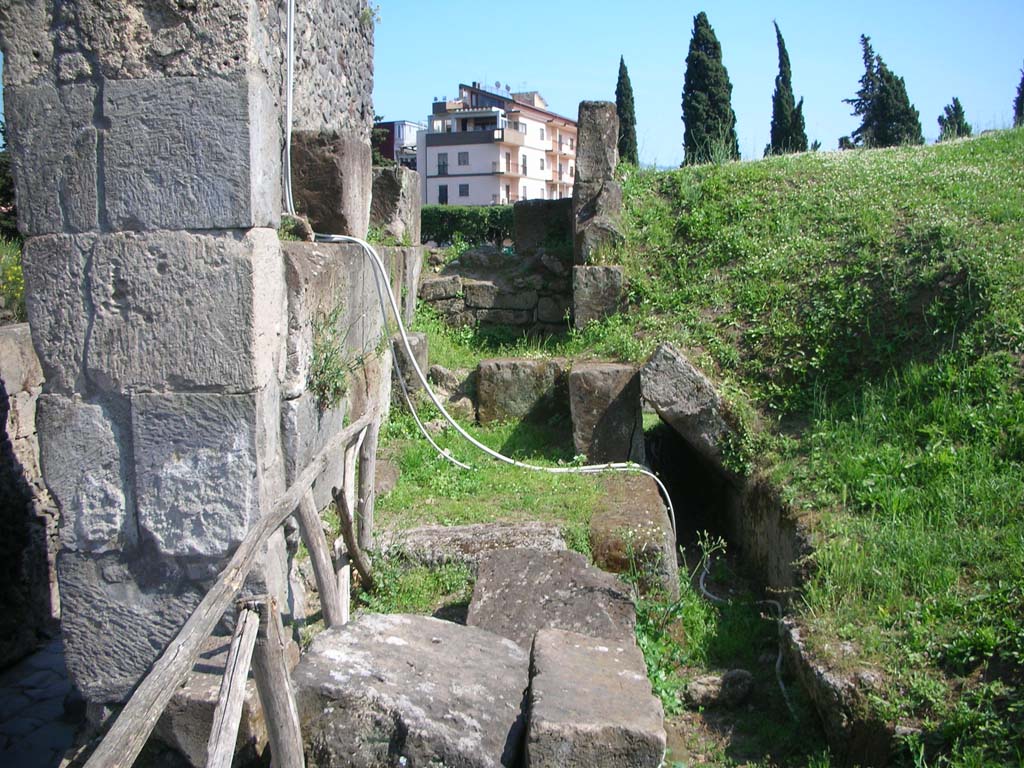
(627, 117)
(708, 118)
(788, 132)
(953, 122)
(1018, 104)
(888, 117)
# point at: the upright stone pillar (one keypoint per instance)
(146, 140)
(596, 196)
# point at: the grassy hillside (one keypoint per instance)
(865, 311)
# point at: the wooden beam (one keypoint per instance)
(312, 532)
(355, 554)
(367, 486)
(220, 749)
(131, 729)
(274, 683)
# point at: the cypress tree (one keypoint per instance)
(708, 118)
(1018, 103)
(953, 122)
(788, 132)
(888, 117)
(627, 117)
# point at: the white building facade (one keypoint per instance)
(490, 149)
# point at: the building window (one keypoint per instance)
(442, 163)
(523, 197)
(463, 190)
(442, 194)
(508, 192)
(463, 158)
(522, 165)
(572, 144)
(542, 134)
(542, 163)
(572, 171)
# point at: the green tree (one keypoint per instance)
(709, 122)
(627, 116)
(888, 118)
(953, 122)
(788, 130)
(8, 210)
(378, 135)
(1018, 103)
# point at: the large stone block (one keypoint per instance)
(434, 545)
(19, 366)
(597, 207)
(191, 153)
(81, 454)
(305, 430)
(514, 389)
(196, 471)
(520, 591)
(53, 148)
(687, 401)
(156, 310)
(597, 145)
(441, 287)
(117, 618)
(607, 419)
(396, 203)
(331, 180)
(591, 705)
(403, 364)
(411, 690)
(484, 294)
(630, 531)
(597, 293)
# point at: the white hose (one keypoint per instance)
(383, 277)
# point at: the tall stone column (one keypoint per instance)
(146, 138)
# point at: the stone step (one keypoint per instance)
(520, 591)
(410, 690)
(591, 705)
(434, 545)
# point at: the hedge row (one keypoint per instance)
(476, 225)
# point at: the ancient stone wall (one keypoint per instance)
(147, 145)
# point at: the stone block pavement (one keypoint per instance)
(36, 728)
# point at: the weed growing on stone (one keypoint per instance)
(12, 283)
(328, 371)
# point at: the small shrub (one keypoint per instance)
(328, 378)
(12, 282)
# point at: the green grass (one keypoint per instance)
(869, 306)
(434, 492)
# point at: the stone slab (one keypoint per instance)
(332, 180)
(630, 528)
(597, 293)
(164, 168)
(53, 148)
(19, 366)
(591, 705)
(182, 442)
(411, 690)
(81, 461)
(305, 429)
(597, 142)
(607, 418)
(482, 294)
(520, 591)
(441, 287)
(403, 366)
(396, 202)
(438, 544)
(520, 388)
(687, 401)
(117, 618)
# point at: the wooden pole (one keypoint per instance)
(345, 588)
(220, 749)
(355, 554)
(275, 686)
(136, 721)
(312, 532)
(367, 486)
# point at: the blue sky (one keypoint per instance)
(569, 51)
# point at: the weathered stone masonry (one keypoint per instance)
(147, 145)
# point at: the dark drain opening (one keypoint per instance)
(700, 493)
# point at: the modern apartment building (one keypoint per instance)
(396, 140)
(485, 148)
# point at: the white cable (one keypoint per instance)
(383, 276)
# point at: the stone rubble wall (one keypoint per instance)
(28, 516)
(147, 144)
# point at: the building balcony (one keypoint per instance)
(505, 169)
